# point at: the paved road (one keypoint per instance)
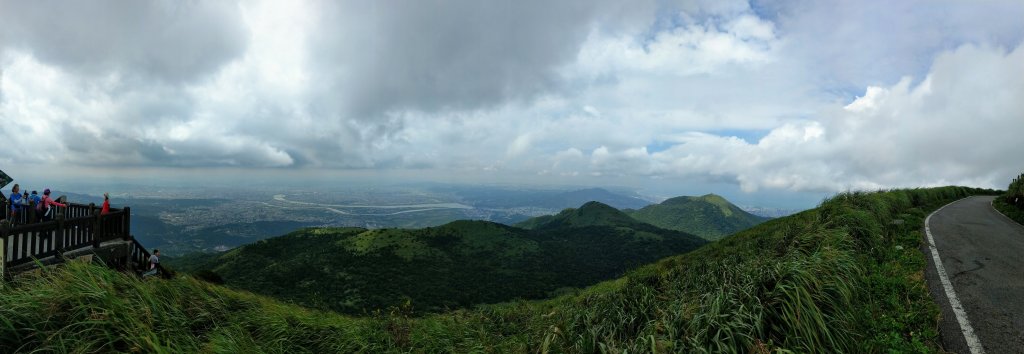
(983, 255)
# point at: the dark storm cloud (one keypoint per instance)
(173, 41)
(438, 55)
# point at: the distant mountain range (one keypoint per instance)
(459, 264)
(710, 216)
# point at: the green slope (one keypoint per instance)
(460, 264)
(840, 278)
(589, 214)
(1011, 203)
(709, 216)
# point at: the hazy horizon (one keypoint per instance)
(199, 181)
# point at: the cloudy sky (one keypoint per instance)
(772, 97)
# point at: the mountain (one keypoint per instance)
(460, 264)
(578, 197)
(818, 281)
(709, 216)
(589, 214)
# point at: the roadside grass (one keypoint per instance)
(1011, 203)
(1013, 212)
(845, 277)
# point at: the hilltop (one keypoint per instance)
(459, 264)
(589, 214)
(844, 277)
(709, 216)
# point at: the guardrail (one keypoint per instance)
(76, 227)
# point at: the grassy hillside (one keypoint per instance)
(588, 214)
(709, 216)
(840, 278)
(1011, 203)
(460, 264)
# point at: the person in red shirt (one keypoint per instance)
(106, 204)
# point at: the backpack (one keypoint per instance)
(44, 207)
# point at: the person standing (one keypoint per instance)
(47, 205)
(34, 201)
(35, 198)
(106, 204)
(17, 203)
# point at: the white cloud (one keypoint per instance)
(786, 95)
(170, 41)
(692, 49)
(959, 125)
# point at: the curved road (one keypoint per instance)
(982, 252)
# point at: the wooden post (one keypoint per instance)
(4, 231)
(97, 225)
(127, 232)
(31, 212)
(62, 242)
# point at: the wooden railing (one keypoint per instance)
(76, 227)
(138, 254)
(28, 214)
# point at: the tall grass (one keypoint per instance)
(1011, 203)
(845, 277)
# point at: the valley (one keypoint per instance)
(185, 220)
(817, 281)
(455, 265)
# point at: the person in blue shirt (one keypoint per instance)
(35, 199)
(18, 203)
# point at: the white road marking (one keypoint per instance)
(993, 205)
(973, 343)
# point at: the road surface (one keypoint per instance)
(982, 253)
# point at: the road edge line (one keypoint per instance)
(973, 343)
(993, 205)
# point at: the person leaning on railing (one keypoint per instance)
(46, 206)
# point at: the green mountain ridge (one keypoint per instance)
(459, 264)
(589, 214)
(843, 277)
(709, 216)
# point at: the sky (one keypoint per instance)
(753, 99)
